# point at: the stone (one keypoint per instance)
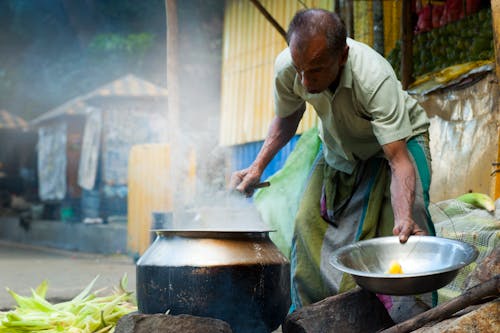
(356, 311)
(164, 323)
(485, 319)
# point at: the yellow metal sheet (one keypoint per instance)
(250, 46)
(495, 10)
(363, 21)
(392, 24)
(495, 171)
(149, 190)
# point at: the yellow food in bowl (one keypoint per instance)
(395, 268)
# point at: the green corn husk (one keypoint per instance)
(85, 313)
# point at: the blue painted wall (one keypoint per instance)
(243, 155)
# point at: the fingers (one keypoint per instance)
(403, 231)
(243, 181)
(396, 230)
(418, 231)
(246, 187)
(236, 179)
(405, 234)
(406, 229)
(248, 192)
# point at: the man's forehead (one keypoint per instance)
(313, 50)
(307, 40)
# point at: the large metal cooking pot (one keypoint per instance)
(238, 276)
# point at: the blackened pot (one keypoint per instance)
(238, 276)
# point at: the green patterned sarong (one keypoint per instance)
(361, 210)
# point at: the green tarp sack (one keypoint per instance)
(278, 204)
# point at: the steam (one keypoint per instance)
(211, 205)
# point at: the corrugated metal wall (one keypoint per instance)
(250, 46)
(392, 24)
(149, 191)
(363, 22)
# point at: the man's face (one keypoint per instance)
(317, 68)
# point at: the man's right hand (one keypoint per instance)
(244, 181)
(280, 132)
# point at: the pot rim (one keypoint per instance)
(235, 230)
(213, 233)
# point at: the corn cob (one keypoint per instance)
(479, 200)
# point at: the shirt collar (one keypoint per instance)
(345, 78)
(346, 75)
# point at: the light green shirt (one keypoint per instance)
(368, 109)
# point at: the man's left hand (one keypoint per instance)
(405, 228)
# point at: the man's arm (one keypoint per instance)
(402, 190)
(280, 132)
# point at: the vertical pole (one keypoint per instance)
(495, 14)
(495, 183)
(349, 18)
(407, 45)
(346, 10)
(378, 26)
(173, 96)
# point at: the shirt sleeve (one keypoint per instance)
(286, 102)
(390, 119)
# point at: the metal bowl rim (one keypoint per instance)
(334, 259)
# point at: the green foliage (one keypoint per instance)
(56, 50)
(394, 58)
(465, 40)
(134, 44)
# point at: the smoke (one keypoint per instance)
(201, 198)
(59, 50)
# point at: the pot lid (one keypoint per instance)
(214, 230)
(239, 219)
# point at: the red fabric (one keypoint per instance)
(433, 15)
(472, 6)
(424, 22)
(453, 10)
(437, 13)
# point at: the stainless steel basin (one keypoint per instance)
(428, 263)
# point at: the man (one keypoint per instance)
(373, 176)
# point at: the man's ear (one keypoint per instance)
(344, 55)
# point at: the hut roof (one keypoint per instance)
(126, 86)
(8, 120)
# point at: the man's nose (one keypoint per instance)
(306, 80)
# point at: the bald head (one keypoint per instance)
(313, 23)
